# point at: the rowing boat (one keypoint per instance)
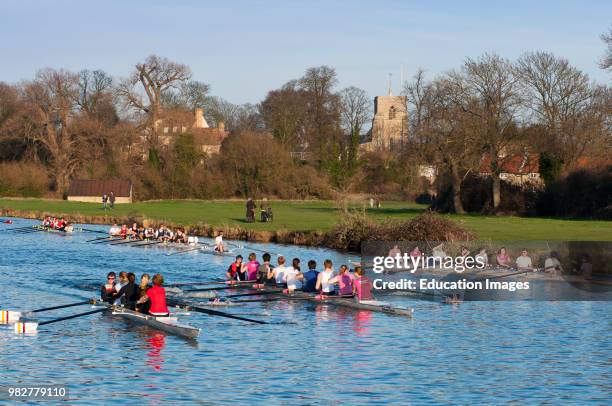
(340, 301)
(167, 324)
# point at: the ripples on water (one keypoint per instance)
(476, 353)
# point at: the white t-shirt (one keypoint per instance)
(290, 278)
(523, 262)
(219, 240)
(279, 273)
(192, 240)
(551, 264)
(114, 230)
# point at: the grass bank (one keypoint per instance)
(299, 218)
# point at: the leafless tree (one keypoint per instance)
(283, 112)
(51, 99)
(419, 94)
(451, 132)
(606, 62)
(561, 98)
(356, 109)
(155, 76)
(488, 90)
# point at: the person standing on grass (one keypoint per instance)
(111, 198)
(250, 214)
(104, 200)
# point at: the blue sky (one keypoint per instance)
(245, 48)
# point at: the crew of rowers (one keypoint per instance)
(163, 234)
(143, 298)
(328, 282)
(57, 223)
(501, 260)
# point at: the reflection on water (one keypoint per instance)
(474, 353)
(157, 343)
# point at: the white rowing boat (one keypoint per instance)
(167, 324)
(341, 301)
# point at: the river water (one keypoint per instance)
(474, 353)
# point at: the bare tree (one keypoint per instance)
(95, 98)
(561, 98)
(419, 94)
(356, 109)
(51, 99)
(606, 62)
(283, 112)
(488, 90)
(452, 134)
(155, 76)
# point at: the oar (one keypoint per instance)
(32, 326)
(16, 228)
(231, 286)
(216, 313)
(44, 309)
(94, 231)
(11, 316)
(218, 282)
(264, 292)
(147, 244)
(125, 242)
(183, 251)
(107, 239)
(271, 299)
(98, 239)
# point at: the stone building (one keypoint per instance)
(174, 122)
(389, 125)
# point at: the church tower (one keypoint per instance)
(390, 123)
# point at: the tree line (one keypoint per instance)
(302, 140)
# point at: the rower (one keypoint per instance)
(323, 284)
(163, 234)
(310, 277)
(143, 304)
(219, 245)
(252, 267)
(293, 276)
(157, 297)
(108, 289)
(114, 231)
(133, 231)
(179, 236)
(264, 270)
(123, 232)
(123, 280)
(149, 233)
(236, 270)
(192, 239)
(128, 294)
(278, 273)
(362, 287)
(344, 281)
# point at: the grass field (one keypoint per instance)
(322, 215)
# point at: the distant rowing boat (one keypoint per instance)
(167, 324)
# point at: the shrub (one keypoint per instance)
(355, 227)
(23, 180)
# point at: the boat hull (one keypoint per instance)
(165, 324)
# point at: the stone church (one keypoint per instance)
(389, 126)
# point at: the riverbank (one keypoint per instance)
(295, 222)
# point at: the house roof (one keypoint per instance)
(515, 164)
(88, 187)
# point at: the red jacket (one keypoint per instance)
(157, 295)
